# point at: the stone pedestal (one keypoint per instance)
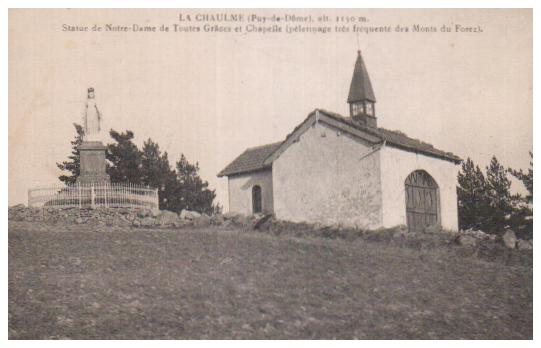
(92, 154)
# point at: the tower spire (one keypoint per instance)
(361, 96)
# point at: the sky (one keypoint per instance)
(211, 95)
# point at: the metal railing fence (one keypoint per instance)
(92, 195)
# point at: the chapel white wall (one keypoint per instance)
(323, 178)
(396, 165)
(240, 192)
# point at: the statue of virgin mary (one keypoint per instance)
(91, 118)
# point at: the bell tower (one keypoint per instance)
(361, 97)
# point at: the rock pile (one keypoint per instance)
(478, 234)
(125, 217)
(508, 239)
(467, 240)
(138, 217)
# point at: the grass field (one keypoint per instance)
(210, 283)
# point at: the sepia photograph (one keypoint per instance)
(270, 174)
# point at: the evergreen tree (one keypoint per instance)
(73, 165)
(472, 199)
(486, 202)
(522, 218)
(178, 189)
(125, 158)
(499, 196)
(192, 192)
(156, 172)
(526, 178)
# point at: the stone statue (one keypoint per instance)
(91, 118)
(92, 150)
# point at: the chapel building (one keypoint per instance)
(337, 170)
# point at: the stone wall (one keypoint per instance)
(102, 219)
(240, 192)
(328, 177)
(135, 217)
(125, 219)
(396, 165)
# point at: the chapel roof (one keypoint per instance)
(252, 159)
(398, 139)
(257, 158)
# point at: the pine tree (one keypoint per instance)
(125, 159)
(472, 200)
(499, 196)
(73, 165)
(486, 202)
(526, 178)
(156, 172)
(522, 219)
(178, 189)
(192, 192)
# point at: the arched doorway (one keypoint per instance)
(256, 199)
(422, 201)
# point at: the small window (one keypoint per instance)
(256, 199)
(358, 109)
(369, 109)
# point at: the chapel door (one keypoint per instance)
(422, 201)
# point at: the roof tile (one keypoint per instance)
(253, 159)
(397, 138)
(250, 160)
